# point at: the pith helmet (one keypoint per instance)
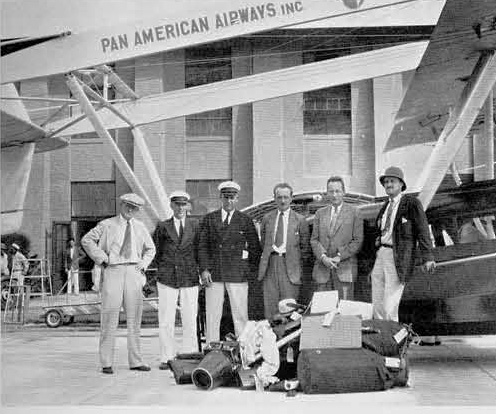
(393, 172)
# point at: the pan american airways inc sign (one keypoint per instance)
(200, 25)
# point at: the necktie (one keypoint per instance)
(334, 216)
(279, 240)
(226, 221)
(388, 218)
(181, 230)
(126, 244)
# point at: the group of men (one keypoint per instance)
(224, 250)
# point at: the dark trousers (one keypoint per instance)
(277, 286)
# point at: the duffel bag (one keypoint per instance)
(334, 371)
(387, 338)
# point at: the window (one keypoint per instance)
(204, 195)
(208, 134)
(327, 131)
(93, 199)
(328, 111)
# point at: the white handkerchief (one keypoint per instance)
(403, 220)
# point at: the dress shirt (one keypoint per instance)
(177, 224)
(285, 219)
(387, 238)
(133, 258)
(225, 213)
(335, 210)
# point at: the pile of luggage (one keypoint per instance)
(329, 349)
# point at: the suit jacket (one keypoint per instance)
(297, 244)
(410, 228)
(345, 239)
(101, 242)
(177, 260)
(221, 251)
(74, 262)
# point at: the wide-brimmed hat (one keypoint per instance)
(395, 172)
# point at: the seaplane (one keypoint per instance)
(449, 95)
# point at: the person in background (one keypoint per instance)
(228, 253)
(4, 264)
(124, 248)
(401, 228)
(72, 256)
(285, 240)
(20, 264)
(336, 240)
(176, 240)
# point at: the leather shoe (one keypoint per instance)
(107, 370)
(164, 366)
(141, 368)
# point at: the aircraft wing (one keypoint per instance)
(463, 30)
(172, 28)
(18, 129)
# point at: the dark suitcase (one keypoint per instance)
(183, 365)
(387, 338)
(334, 371)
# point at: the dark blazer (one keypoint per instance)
(297, 244)
(221, 251)
(177, 261)
(410, 235)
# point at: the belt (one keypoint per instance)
(388, 246)
(124, 264)
(278, 254)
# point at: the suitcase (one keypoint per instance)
(335, 371)
(183, 365)
(387, 338)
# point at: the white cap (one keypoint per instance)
(16, 246)
(229, 187)
(285, 306)
(179, 197)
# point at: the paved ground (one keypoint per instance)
(44, 367)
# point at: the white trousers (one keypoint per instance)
(122, 285)
(386, 286)
(167, 303)
(214, 301)
(73, 281)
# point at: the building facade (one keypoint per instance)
(301, 138)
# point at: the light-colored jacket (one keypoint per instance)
(20, 264)
(102, 243)
(346, 239)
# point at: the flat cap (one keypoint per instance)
(229, 187)
(395, 172)
(132, 199)
(179, 197)
(15, 246)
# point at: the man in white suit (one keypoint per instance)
(336, 239)
(124, 248)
